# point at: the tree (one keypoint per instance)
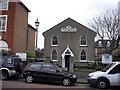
(30, 54)
(107, 25)
(40, 53)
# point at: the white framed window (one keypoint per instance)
(100, 44)
(54, 55)
(54, 41)
(108, 43)
(3, 23)
(83, 41)
(83, 56)
(4, 4)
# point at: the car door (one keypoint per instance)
(119, 76)
(114, 75)
(51, 73)
(35, 70)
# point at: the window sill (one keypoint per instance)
(3, 31)
(83, 46)
(54, 60)
(54, 45)
(3, 9)
(83, 60)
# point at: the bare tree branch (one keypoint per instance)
(107, 25)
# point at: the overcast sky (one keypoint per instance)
(52, 12)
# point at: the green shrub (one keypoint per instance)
(30, 54)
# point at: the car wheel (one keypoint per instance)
(4, 75)
(29, 79)
(66, 82)
(102, 84)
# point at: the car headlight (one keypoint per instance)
(74, 76)
(91, 75)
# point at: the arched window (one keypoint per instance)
(83, 40)
(54, 55)
(54, 41)
(83, 55)
(99, 44)
(108, 43)
(3, 45)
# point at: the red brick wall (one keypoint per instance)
(20, 26)
(17, 25)
(31, 39)
(8, 35)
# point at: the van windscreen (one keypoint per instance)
(108, 67)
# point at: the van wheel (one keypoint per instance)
(66, 82)
(102, 83)
(4, 75)
(29, 79)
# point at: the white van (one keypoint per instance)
(110, 76)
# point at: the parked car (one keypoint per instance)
(48, 73)
(10, 66)
(109, 76)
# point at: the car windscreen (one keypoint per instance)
(108, 67)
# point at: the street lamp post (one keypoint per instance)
(37, 25)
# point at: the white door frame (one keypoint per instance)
(64, 53)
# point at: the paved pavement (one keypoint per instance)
(82, 81)
(82, 77)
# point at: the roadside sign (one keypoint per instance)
(106, 58)
(22, 56)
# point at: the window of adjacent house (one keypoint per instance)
(83, 55)
(54, 41)
(3, 4)
(83, 41)
(54, 55)
(108, 43)
(99, 44)
(3, 22)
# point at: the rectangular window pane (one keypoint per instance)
(3, 4)
(83, 58)
(54, 57)
(3, 23)
(9, 60)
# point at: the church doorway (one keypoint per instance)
(67, 62)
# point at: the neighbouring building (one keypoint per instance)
(104, 47)
(101, 47)
(69, 43)
(116, 51)
(15, 32)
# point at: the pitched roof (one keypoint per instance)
(32, 27)
(68, 20)
(24, 6)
